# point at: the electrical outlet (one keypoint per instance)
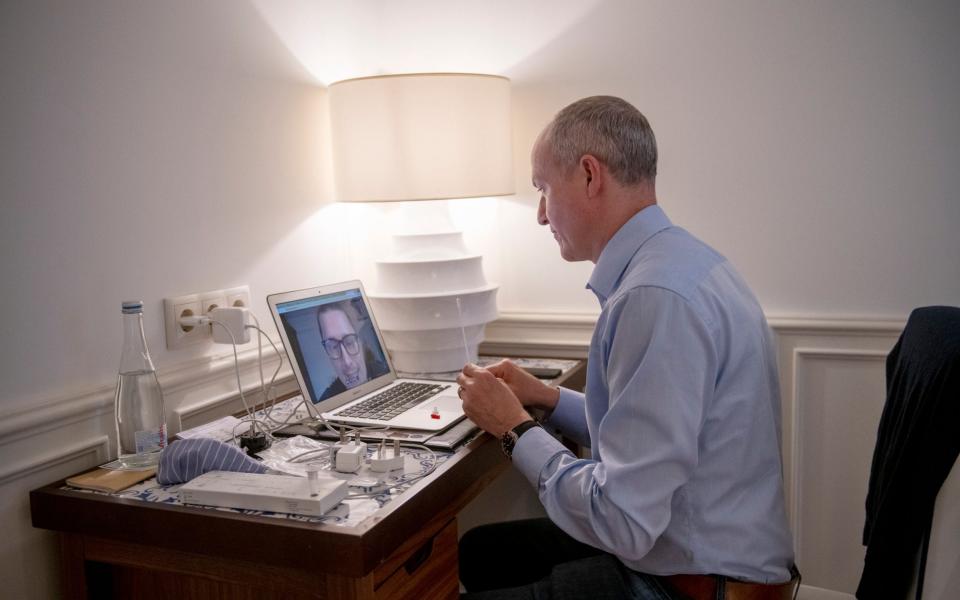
(198, 304)
(238, 296)
(179, 336)
(210, 301)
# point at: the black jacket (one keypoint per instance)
(917, 444)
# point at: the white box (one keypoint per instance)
(254, 491)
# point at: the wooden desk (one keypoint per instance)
(126, 548)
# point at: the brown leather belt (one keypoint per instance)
(713, 587)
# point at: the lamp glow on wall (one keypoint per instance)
(419, 137)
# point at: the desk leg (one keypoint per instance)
(73, 567)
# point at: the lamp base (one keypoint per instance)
(432, 300)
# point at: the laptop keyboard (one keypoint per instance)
(388, 404)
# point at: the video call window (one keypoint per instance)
(334, 341)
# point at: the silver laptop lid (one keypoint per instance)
(335, 348)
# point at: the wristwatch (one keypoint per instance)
(509, 439)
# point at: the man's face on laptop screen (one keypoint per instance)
(343, 346)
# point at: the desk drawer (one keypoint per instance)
(428, 572)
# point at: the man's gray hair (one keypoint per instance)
(609, 128)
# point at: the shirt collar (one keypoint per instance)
(618, 252)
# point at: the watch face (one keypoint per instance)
(507, 441)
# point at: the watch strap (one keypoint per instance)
(509, 439)
(522, 428)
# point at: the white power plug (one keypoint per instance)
(386, 459)
(349, 456)
(233, 318)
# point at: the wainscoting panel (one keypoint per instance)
(838, 398)
(28, 558)
(832, 393)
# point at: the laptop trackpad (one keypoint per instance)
(443, 403)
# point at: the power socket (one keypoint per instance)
(179, 335)
(238, 297)
(195, 305)
(210, 301)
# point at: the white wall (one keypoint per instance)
(148, 149)
(153, 149)
(813, 143)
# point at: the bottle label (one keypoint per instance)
(151, 440)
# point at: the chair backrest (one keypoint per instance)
(918, 441)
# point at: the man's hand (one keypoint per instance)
(488, 401)
(527, 388)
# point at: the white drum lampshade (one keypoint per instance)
(428, 136)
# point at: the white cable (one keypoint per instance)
(263, 389)
(326, 448)
(268, 389)
(463, 334)
(236, 364)
(290, 417)
(355, 429)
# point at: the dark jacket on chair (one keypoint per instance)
(917, 444)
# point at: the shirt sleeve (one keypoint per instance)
(659, 367)
(569, 417)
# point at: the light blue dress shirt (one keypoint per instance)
(681, 412)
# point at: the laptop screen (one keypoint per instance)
(334, 341)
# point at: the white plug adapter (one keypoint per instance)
(350, 456)
(386, 459)
(389, 462)
(233, 318)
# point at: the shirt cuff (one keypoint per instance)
(533, 451)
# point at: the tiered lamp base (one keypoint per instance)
(432, 302)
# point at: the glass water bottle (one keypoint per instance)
(138, 407)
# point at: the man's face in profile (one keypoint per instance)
(343, 346)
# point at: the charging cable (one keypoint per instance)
(255, 440)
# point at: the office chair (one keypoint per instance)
(917, 446)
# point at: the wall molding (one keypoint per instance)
(98, 448)
(844, 326)
(565, 335)
(554, 333)
(560, 335)
(72, 407)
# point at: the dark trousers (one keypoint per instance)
(534, 560)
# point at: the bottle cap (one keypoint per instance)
(132, 307)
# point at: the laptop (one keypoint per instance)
(337, 353)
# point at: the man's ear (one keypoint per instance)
(593, 173)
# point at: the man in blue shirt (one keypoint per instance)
(683, 493)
